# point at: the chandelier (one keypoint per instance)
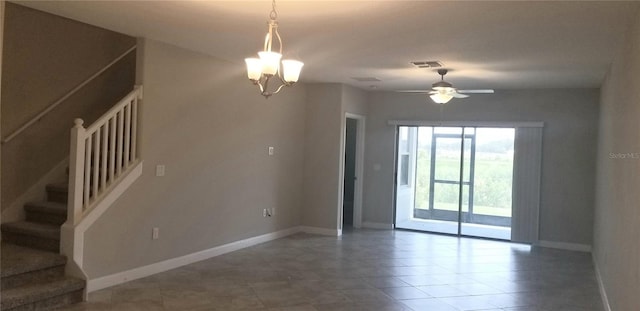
(268, 65)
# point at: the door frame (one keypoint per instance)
(359, 169)
(463, 124)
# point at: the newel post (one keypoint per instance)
(76, 172)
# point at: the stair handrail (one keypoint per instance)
(101, 154)
(44, 112)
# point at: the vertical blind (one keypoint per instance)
(527, 163)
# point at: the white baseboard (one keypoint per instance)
(566, 246)
(376, 225)
(321, 231)
(137, 273)
(603, 292)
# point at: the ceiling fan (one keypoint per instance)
(442, 91)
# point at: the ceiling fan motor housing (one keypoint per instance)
(442, 84)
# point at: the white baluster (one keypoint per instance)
(120, 141)
(103, 153)
(96, 164)
(87, 171)
(127, 135)
(112, 151)
(134, 129)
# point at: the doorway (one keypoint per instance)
(455, 180)
(353, 156)
(349, 171)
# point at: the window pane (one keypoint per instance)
(404, 169)
(447, 159)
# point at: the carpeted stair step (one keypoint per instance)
(32, 234)
(57, 192)
(43, 296)
(26, 266)
(46, 212)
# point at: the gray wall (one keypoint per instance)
(617, 213)
(327, 104)
(45, 56)
(322, 156)
(569, 150)
(208, 124)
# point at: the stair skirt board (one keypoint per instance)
(148, 270)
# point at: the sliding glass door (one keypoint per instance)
(455, 180)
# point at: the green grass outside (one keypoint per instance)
(493, 179)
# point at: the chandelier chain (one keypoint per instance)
(274, 14)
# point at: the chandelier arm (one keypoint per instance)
(278, 89)
(279, 39)
(284, 83)
(265, 89)
(267, 40)
(259, 84)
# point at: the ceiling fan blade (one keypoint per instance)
(487, 91)
(458, 95)
(414, 91)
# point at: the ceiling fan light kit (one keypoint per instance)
(268, 65)
(440, 98)
(442, 91)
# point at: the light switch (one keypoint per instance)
(271, 151)
(159, 170)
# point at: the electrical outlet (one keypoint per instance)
(155, 233)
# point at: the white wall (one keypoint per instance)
(569, 150)
(208, 124)
(617, 213)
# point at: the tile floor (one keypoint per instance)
(368, 270)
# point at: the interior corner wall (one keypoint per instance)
(327, 104)
(354, 100)
(568, 159)
(617, 211)
(211, 129)
(322, 155)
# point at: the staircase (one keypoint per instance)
(33, 271)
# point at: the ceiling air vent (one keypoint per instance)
(366, 79)
(427, 64)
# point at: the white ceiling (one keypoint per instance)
(500, 45)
